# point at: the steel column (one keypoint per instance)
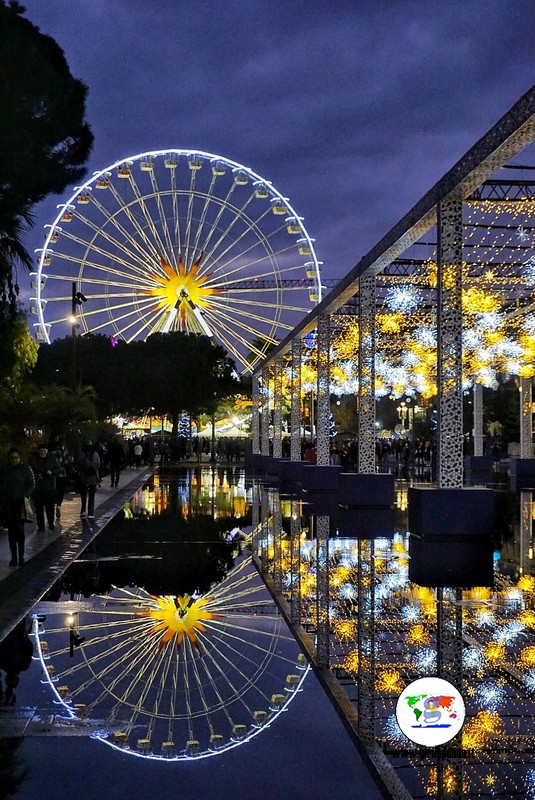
(449, 368)
(277, 543)
(295, 562)
(449, 667)
(277, 408)
(256, 415)
(366, 371)
(264, 430)
(526, 404)
(478, 419)
(322, 592)
(366, 639)
(323, 441)
(295, 419)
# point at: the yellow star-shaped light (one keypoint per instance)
(178, 618)
(182, 290)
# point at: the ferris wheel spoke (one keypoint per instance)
(208, 197)
(158, 243)
(152, 323)
(187, 257)
(142, 238)
(175, 206)
(214, 255)
(140, 252)
(169, 248)
(233, 327)
(132, 271)
(237, 316)
(209, 248)
(266, 260)
(217, 256)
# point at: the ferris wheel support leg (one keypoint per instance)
(323, 387)
(366, 374)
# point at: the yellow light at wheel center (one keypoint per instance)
(178, 618)
(181, 290)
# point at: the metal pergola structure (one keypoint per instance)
(440, 216)
(461, 217)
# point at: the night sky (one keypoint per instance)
(352, 109)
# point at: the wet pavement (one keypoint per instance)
(48, 554)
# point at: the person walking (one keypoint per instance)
(59, 451)
(116, 461)
(45, 469)
(88, 470)
(16, 483)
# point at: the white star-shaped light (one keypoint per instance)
(522, 234)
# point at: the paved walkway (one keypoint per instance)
(49, 554)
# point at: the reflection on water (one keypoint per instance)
(177, 651)
(382, 631)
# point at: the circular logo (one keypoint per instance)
(430, 711)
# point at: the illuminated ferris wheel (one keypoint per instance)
(177, 240)
(175, 678)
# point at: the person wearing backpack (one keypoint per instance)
(88, 470)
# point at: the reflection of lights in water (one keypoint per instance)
(484, 619)
(473, 658)
(167, 686)
(530, 784)
(529, 680)
(508, 632)
(411, 613)
(394, 734)
(425, 660)
(514, 598)
(491, 695)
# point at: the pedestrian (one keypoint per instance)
(116, 461)
(138, 452)
(88, 471)
(16, 484)
(59, 451)
(45, 469)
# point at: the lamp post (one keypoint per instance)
(77, 299)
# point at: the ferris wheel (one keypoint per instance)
(177, 240)
(175, 678)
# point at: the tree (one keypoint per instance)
(18, 350)
(44, 141)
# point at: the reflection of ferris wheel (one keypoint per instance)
(177, 240)
(176, 678)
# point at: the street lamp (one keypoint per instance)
(77, 299)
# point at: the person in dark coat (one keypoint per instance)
(87, 465)
(45, 468)
(116, 461)
(16, 483)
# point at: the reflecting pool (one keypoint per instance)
(161, 660)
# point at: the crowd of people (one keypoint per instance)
(36, 487)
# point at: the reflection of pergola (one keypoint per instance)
(470, 233)
(471, 230)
